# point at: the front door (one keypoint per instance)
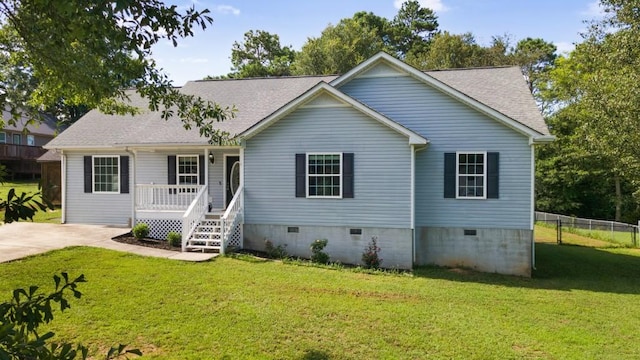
(232, 177)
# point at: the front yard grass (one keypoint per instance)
(581, 303)
(29, 187)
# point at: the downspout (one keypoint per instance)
(133, 186)
(63, 181)
(533, 206)
(414, 151)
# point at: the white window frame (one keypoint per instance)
(31, 140)
(93, 174)
(484, 174)
(340, 175)
(3, 139)
(178, 173)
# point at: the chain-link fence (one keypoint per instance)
(611, 231)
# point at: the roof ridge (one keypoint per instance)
(472, 68)
(266, 78)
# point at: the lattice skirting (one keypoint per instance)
(159, 228)
(235, 240)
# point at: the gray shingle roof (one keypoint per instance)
(502, 89)
(46, 127)
(50, 156)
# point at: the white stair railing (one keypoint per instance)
(193, 215)
(231, 218)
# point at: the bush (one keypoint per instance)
(275, 252)
(317, 255)
(370, 257)
(140, 231)
(174, 238)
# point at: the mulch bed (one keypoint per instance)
(147, 242)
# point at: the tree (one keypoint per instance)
(413, 28)
(598, 86)
(86, 53)
(536, 58)
(338, 49)
(259, 55)
(22, 316)
(89, 52)
(448, 51)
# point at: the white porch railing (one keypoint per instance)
(193, 215)
(231, 220)
(166, 197)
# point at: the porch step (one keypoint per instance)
(208, 234)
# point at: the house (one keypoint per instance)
(439, 166)
(51, 179)
(21, 144)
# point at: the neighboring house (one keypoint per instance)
(439, 166)
(20, 148)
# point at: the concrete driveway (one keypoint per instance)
(21, 239)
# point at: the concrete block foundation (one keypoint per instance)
(346, 244)
(504, 251)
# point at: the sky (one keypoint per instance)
(209, 51)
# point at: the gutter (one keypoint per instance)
(132, 185)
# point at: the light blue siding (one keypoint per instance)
(382, 168)
(452, 126)
(89, 208)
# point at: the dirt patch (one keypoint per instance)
(128, 238)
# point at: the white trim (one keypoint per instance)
(306, 172)
(484, 175)
(132, 189)
(93, 174)
(242, 175)
(390, 60)
(63, 180)
(324, 88)
(197, 174)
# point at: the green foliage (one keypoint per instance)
(140, 231)
(28, 309)
(370, 256)
(275, 252)
(261, 55)
(88, 52)
(317, 255)
(174, 239)
(22, 207)
(412, 28)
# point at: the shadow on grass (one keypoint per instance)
(313, 354)
(565, 267)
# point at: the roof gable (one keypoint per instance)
(325, 95)
(517, 111)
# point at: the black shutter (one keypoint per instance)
(88, 174)
(301, 174)
(171, 169)
(450, 175)
(493, 172)
(201, 165)
(124, 174)
(347, 175)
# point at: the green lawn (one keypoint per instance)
(581, 304)
(29, 187)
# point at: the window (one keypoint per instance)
(106, 174)
(17, 139)
(472, 175)
(3, 138)
(187, 169)
(324, 175)
(31, 141)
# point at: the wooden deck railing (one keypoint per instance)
(19, 152)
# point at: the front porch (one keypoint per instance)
(188, 210)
